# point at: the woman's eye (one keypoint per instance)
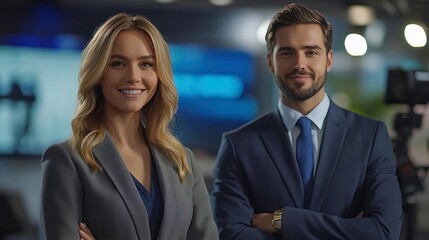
(117, 64)
(286, 53)
(146, 65)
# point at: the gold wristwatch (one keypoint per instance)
(277, 220)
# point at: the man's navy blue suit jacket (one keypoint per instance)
(356, 194)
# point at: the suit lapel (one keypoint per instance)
(165, 167)
(276, 141)
(332, 142)
(114, 167)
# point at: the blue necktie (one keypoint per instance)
(304, 156)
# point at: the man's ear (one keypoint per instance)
(329, 61)
(270, 62)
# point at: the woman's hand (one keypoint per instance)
(85, 233)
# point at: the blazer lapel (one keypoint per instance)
(332, 142)
(166, 174)
(114, 167)
(276, 141)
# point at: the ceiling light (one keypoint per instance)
(221, 2)
(165, 1)
(355, 44)
(415, 35)
(359, 15)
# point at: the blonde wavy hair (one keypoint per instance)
(88, 126)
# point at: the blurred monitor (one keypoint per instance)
(38, 86)
(216, 93)
(37, 97)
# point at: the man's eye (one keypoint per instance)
(311, 53)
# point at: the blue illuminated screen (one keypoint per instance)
(38, 87)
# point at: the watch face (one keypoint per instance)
(277, 225)
(277, 220)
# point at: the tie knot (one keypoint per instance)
(304, 123)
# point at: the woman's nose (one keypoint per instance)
(134, 75)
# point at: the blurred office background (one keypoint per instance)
(219, 63)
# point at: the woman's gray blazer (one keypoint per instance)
(109, 203)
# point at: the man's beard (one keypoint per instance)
(294, 92)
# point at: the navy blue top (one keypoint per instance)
(152, 201)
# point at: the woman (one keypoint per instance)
(123, 173)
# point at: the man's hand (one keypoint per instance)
(262, 221)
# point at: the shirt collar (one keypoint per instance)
(317, 115)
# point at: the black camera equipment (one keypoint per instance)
(407, 87)
(410, 88)
(16, 95)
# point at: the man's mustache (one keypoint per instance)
(295, 72)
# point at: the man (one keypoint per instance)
(347, 189)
